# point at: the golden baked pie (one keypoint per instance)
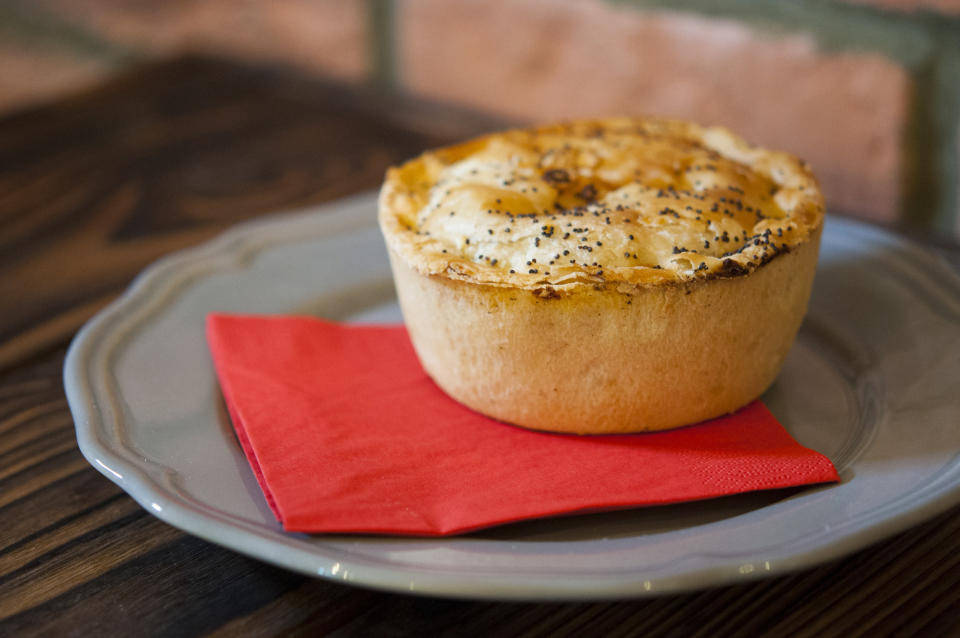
(613, 275)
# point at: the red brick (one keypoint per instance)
(539, 60)
(30, 75)
(326, 36)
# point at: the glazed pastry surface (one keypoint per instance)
(632, 201)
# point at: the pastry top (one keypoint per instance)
(626, 201)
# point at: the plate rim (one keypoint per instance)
(201, 520)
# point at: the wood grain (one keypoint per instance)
(94, 188)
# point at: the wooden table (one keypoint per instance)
(94, 188)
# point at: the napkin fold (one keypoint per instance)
(346, 433)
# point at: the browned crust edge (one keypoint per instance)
(796, 181)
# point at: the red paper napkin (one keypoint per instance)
(346, 433)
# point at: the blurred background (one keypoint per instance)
(867, 91)
(133, 128)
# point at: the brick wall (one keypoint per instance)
(868, 91)
(844, 112)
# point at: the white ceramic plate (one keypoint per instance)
(872, 382)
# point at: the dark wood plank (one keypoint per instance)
(78, 553)
(95, 188)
